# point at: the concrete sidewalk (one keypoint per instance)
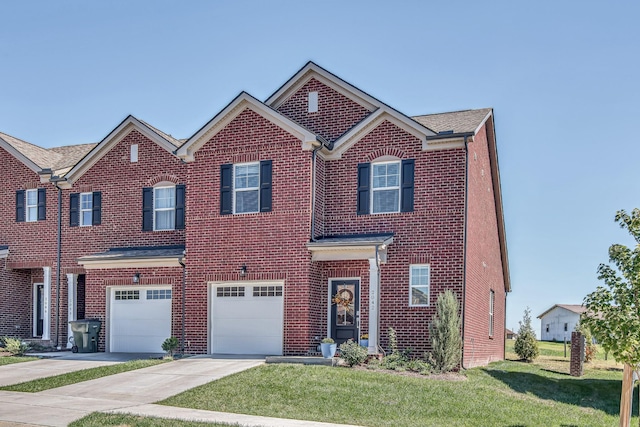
(133, 392)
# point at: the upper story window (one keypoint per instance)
(31, 205)
(85, 209)
(419, 284)
(385, 187)
(163, 208)
(245, 188)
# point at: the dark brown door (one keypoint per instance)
(39, 311)
(344, 310)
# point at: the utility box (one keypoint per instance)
(85, 334)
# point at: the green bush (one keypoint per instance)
(444, 332)
(15, 346)
(353, 353)
(170, 345)
(590, 348)
(526, 345)
(420, 366)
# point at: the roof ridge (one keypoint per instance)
(454, 112)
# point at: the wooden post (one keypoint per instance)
(626, 396)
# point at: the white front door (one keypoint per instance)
(247, 318)
(140, 319)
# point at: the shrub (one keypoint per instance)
(353, 353)
(396, 359)
(170, 344)
(444, 332)
(526, 345)
(590, 348)
(15, 346)
(328, 340)
(420, 366)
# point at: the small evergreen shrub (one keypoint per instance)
(170, 345)
(353, 353)
(15, 346)
(328, 340)
(526, 345)
(444, 332)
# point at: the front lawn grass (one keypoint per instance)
(98, 420)
(80, 376)
(8, 360)
(505, 393)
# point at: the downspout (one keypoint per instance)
(464, 242)
(58, 258)
(313, 192)
(184, 288)
(378, 299)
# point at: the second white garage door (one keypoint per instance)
(247, 319)
(140, 319)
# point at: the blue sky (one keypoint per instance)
(562, 77)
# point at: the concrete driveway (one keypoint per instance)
(60, 406)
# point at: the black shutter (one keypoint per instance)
(226, 189)
(20, 215)
(265, 186)
(364, 176)
(406, 194)
(42, 204)
(180, 198)
(96, 213)
(147, 209)
(74, 204)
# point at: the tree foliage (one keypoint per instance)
(613, 312)
(590, 348)
(444, 331)
(526, 346)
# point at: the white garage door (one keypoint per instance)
(140, 319)
(247, 319)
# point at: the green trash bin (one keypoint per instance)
(85, 334)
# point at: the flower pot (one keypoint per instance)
(364, 343)
(328, 350)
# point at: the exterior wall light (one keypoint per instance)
(136, 278)
(243, 270)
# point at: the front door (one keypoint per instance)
(345, 310)
(38, 310)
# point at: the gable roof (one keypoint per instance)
(34, 157)
(242, 102)
(467, 121)
(574, 308)
(113, 138)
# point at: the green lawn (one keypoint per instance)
(7, 360)
(79, 376)
(98, 420)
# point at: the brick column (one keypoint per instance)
(577, 354)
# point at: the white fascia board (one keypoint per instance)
(489, 114)
(363, 128)
(18, 155)
(223, 118)
(345, 253)
(111, 140)
(89, 264)
(312, 70)
(443, 144)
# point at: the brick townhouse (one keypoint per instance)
(318, 212)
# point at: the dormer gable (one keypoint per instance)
(111, 140)
(241, 103)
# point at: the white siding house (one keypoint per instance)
(557, 323)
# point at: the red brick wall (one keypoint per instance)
(484, 264)
(271, 244)
(16, 293)
(336, 113)
(431, 234)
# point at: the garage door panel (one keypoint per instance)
(139, 324)
(247, 324)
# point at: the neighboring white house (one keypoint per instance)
(557, 323)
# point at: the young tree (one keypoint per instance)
(526, 345)
(444, 331)
(613, 312)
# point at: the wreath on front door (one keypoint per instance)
(344, 298)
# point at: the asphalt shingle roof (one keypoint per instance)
(457, 121)
(38, 155)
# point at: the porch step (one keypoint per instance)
(304, 360)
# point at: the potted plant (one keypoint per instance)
(364, 340)
(328, 348)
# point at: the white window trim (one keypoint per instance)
(236, 190)
(173, 209)
(411, 285)
(492, 305)
(81, 211)
(27, 206)
(397, 188)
